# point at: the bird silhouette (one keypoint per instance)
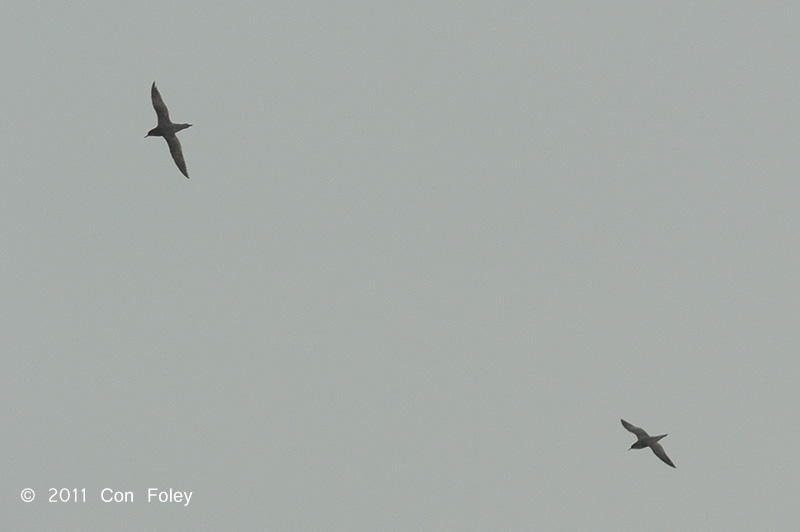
(645, 440)
(167, 130)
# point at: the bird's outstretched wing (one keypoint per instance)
(658, 450)
(161, 108)
(640, 433)
(177, 154)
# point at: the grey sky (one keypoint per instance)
(427, 258)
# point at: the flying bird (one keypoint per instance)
(645, 440)
(167, 130)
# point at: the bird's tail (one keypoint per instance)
(656, 438)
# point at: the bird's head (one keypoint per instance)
(151, 133)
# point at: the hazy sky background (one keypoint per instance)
(429, 254)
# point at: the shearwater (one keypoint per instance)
(167, 130)
(645, 440)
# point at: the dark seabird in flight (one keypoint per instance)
(167, 130)
(645, 440)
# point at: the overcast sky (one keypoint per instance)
(429, 255)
